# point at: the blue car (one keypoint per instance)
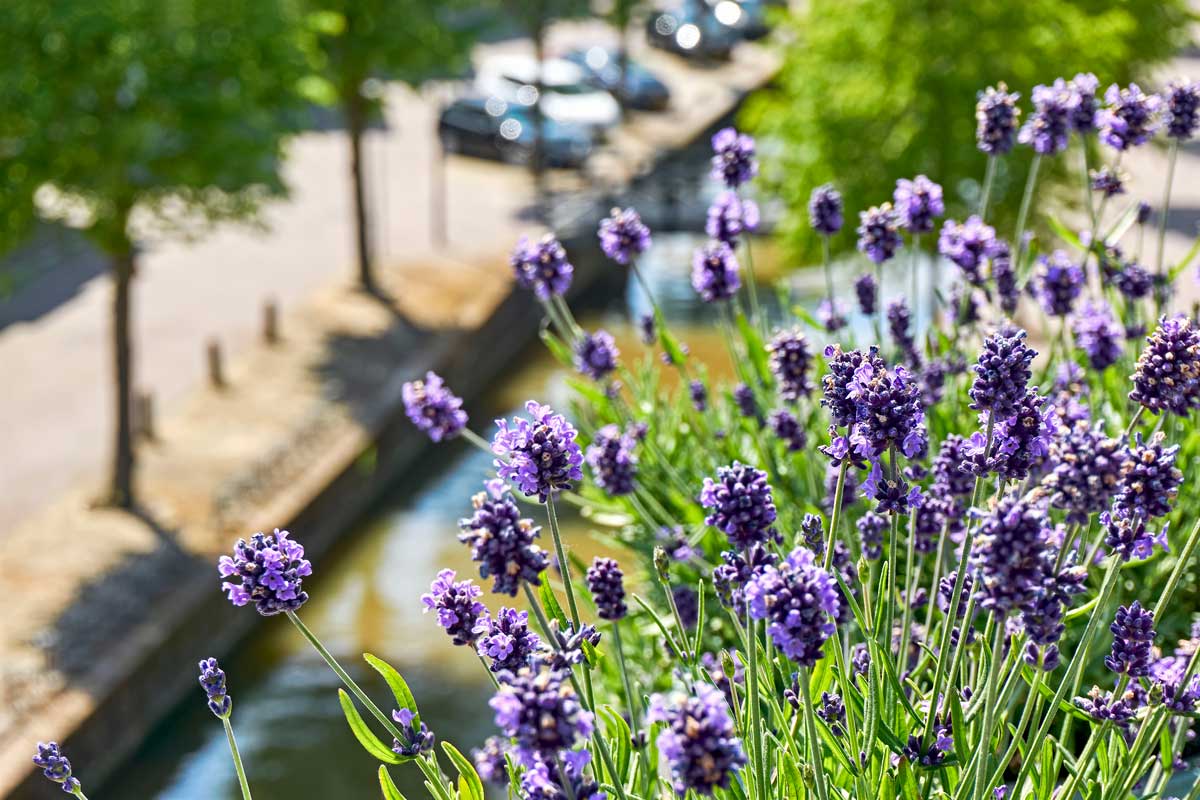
(602, 69)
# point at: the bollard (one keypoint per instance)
(270, 322)
(216, 374)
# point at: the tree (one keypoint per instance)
(118, 112)
(870, 92)
(412, 41)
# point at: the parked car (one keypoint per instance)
(602, 69)
(747, 17)
(566, 95)
(691, 29)
(493, 128)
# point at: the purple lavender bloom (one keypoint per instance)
(538, 455)
(867, 292)
(741, 503)
(1002, 372)
(743, 397)
(613, 461)
(646, 326)
(1011, 555)
(596, 355)
(790, 361)
(825, 210)
(831, 314)
(839, 385)
(733, 161)
(270, 568)
(889, 412)
(542, 267)
(969, 244)
(433, 408)
(730, 216)
(1022, 440)
(799, 600)
(606, 582)
(1128, 537)
(417, 738)
(1005, 277)
(1059, 283)
(698, 739)
(212, 679)
(457, 606)
(1149, 479)
(1099, 335)
(623, 235)
(1087, 471)
(490, 762)
(55, 767)
(879, 233)
(699, 394)
(1048, 128)
(919, 203)
(1133, 638)
(946, 473)
(996, 118)
(1182, 112)
(502, 542)
(1107, 182)
(1132, 280)
(946, 593)
(505, 639)
(1082, 102)
(899, 320)
(812, 530)
(1143, 212)
(568, 649)
(1104, 707)
(542, 781)
(832, 711)
(1042, 616)
(730, 577)
(715, 272)
(789, 430)
(539, 709)
(935, 754)
(1129, 117)
(1167, 376)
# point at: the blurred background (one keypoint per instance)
(230, 231)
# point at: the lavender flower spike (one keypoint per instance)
(1099, 335)
(1129, 118)
(879, 233)
(1133, 637)
(1082, 102)
(698, 740)
(918, 202)
(1048, 127)
(539, 709)
(623, 235)
(457, 606)
(996, 117)
(596, 355)
(790, 360)
(538, 455)
(825, 210)
(741, 503)
(1060, 281)
(612, 461)
(1182, 109)
(730, 216)
(270, 569)
(542, 266)
(1167, 376)
(433, 408)
(800, 602)
(1002, 373)
(733, 160)
(606, 582)
(212, 679)
(501, 541)
(55, 767)
(715, 272)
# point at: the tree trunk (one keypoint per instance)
(356, 123)
(122, 492)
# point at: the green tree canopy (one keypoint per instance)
(871, 92)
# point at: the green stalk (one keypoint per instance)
(1172, 153)
(989, 711)
(753, 709)
(814, 741)
(477, 441)
(989, 177)
(237, 759)
(752, 288)
(563, 564)
(836, 513)
(1026, 203)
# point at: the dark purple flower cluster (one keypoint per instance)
(1087, 470)
(1042, 616)
(969, 245)
(831, 313)
(612, 460)
(457, 606)
(606, 582)
(825, 210)
(812, 531)
(730, 216)
(539, 455)
(743, 398)
(879, 232)
(715, 272)
(433, 408)
(490, 761)
(799, 600)
(1082, 102)
(899, 325)
(55, 767)
(1002, 372)
(502, 542)
(1167, 377)
(946, 593)
(506, 640)
(1005, 278)
(730, 578)
(1099, 335)
(596, 355)
(698, 740)
(271, 569)
(1107, 182)
(1059, 282)
(1104, 707)
(790, 360)
(1133, 638)
(417, 738)
(870, 532)
(1129, 537)
(918, 202)
(623, 235)
(935, 754)
(1149, 479)
(538, 708)
(567, 648)
(1129, 117)
(788, 429)
(889, 412)
(543, 781)
(542, 267)
(212, 679)
(1048, 128)
(741, 503)
(996, 118)
(1022, 440)
(946, 475)
(867, 292)
(832, 711)
(1182, 112)
(733, 160)
(839, 387)
(699, 395)
(1011, 554)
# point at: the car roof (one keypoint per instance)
(524, 68)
